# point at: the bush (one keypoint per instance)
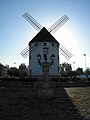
(64, 79)
(55, 80)
(34, 80)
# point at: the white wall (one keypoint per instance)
(37, 69)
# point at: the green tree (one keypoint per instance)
(23, 71)
(1, 69)
(87, 71)
(79, 71)
(13, 72)
(66, 68)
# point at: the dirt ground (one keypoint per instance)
(16, 103)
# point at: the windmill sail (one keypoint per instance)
(65, 52)
(25, 52)
(52, 30)
(32, 21)
(58, 24)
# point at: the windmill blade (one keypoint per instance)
(25, 52)
(65, 52)
(58, 24)
(32, 21)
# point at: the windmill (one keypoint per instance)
(42, 32)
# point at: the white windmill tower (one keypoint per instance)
(44, 48)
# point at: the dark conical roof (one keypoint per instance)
(44, 36)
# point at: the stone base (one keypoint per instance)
(45, 92)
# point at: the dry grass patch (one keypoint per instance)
(81, 98)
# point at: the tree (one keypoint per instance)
(1, 69)
(23, 72)
(65, 69)
(79, 71)
(13, 72)
(87, 71)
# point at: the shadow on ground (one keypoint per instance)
(17, 104)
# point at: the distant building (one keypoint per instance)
(83, 76)
(5, 71)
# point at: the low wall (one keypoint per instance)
(40, 77)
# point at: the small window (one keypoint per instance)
(58, 68)
(58, 57)
(53, 44)
(36, 44)
(58, 46)
(30, 57)
(45, 44)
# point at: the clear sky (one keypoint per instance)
(16, 32)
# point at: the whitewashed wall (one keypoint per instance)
(37, 69)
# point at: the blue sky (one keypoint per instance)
(16, 32)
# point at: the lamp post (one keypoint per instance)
(46, 91)
(85, 60)
(14, 64)
(74, 66)
(85, 66)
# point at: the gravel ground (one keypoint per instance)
(17, 104)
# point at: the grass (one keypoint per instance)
(17, 104)
(81, 98)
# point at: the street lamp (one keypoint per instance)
(52, 57)
(85, 59)
(38, 58)
(46, 90)
(45, 53)
(14, 64)
(74, 66)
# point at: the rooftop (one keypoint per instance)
(44, 36)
